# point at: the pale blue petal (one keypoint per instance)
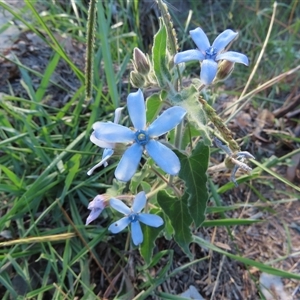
(118, 112)
(118, 226)
(97, 203)
(188, 56)
(151, 220)
(94, 214)
(208, 71)
(112, 133)
(234, 57)
(165, 158)
(223, 39)
(200, 39)
(107, 153)
(244, 154)
(166, 121)
(96, 206)
(129, 162)
(136, 233)
(136, 109)
(139, 202)
(119, 206)
(100, 143)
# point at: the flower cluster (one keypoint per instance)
(143, 138)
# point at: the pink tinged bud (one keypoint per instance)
(141, 62)
(96, 206)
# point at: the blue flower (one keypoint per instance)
(107, 152)
(141, 137)
(96, 206)
(210, 54)
(134, 216)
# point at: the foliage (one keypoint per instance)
(45, 151)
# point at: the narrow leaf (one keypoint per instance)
(107, 59)
(159, 54)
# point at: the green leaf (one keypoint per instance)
(229, 222)
(150, 235)
(13, 177)
(168, 231)
(188, 134)
(177, 211)
(154, 105)
(47, 76)
(195, 113)
(159, 54)
(103, 30)
(73, 166)
(193, 172)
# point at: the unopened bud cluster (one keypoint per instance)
(141, 75)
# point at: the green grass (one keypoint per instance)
(45, 152)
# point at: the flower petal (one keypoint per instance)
(94, 214)
(188, 56)
(129, 162)
(112, 133)
(97, 203)
(200, 39)
(151, 220)
(166, 121)
(139, 202)
(136, 109)
(96, 206)
(208, 71)
(136, 233)
(223, 39)
(118, 114)
(107, 153)
(118, 226)
(165, 158)
(100, 143)
(119, 206)
(244, 154)
(234, 57)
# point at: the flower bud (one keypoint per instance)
(140, 61)
(136, 79)
(96, 207)
(225, 69)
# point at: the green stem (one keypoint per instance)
(220, 125)
(154, 192)
(90, 42)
